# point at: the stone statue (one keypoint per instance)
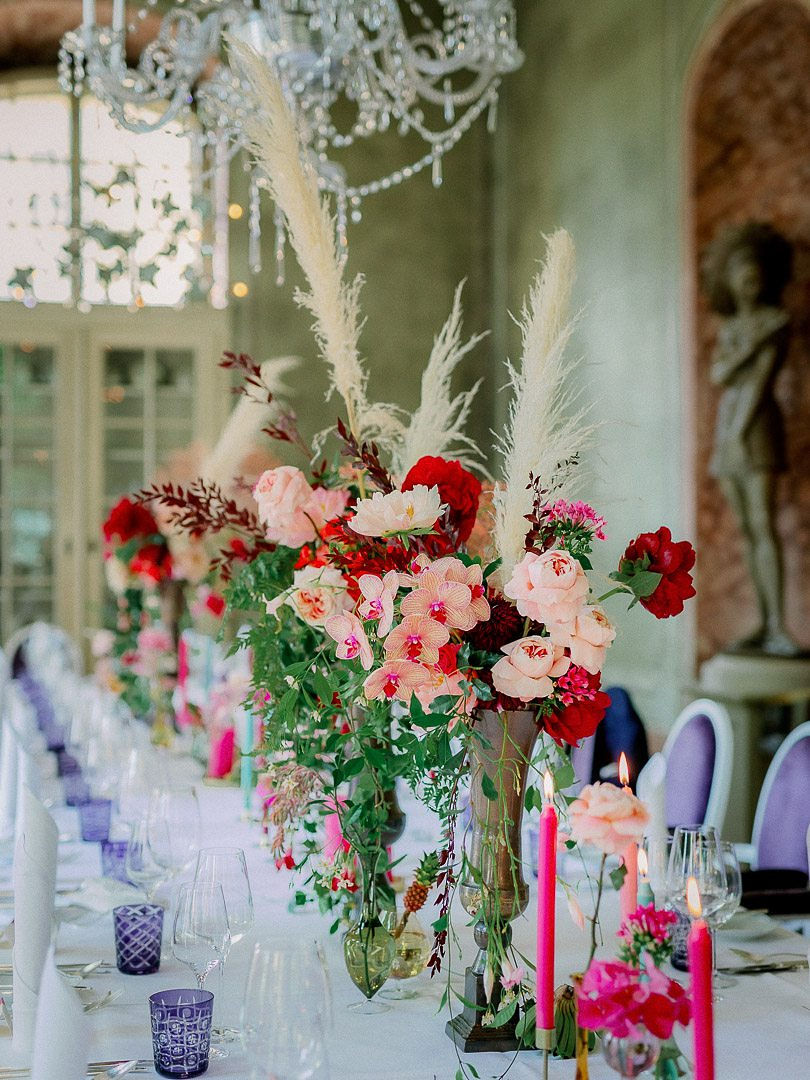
(744, 274)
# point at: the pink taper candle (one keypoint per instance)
(628, 896)
(699, 948)
(546, 911)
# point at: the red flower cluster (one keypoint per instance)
(458, 489)
(151, 563)
(613, 996)
(584, 707)
(127, 520)
(353, 554)
(215, 602)
(672, 560)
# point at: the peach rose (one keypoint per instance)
(607, 817)
(587, 638)
(528, 668)
(548, 588)
(282, 496)
(317, 593)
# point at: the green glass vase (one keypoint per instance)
(369, 949)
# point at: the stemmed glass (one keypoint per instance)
(696, 853)
(201, 936)
(142, 867)
(733, 896)
(227, 867)
(175, 826)
(285, 1014)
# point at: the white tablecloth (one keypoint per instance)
(763, 1023)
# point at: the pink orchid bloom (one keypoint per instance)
(417, 568)
(417, 637)
(395, 679)
(447, 602)
(455, 685)
(511, 976)
(451, 569)
(378, 602)
(348, 632)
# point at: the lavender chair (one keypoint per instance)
(782, 817)
(699, 753)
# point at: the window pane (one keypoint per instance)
(32, 385)
(31, 542)
(30, 604)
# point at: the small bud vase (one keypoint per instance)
(583, 1040)
(630, 1057)
(369, 949)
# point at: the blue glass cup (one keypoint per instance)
(94, 819)
(181, 1031)
(138, 936)
(114, 859)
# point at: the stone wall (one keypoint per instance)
(750, 128)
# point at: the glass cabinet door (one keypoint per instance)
(28, 487)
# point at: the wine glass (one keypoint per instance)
(733, 896)
(174, 815)
(201, 936)
(228, 867)
(285, 1014)
(696, 854)
(142, 868)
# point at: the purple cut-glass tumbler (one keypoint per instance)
(114, 859)
(94, 819)
(138, 936)
(75, 789)
(181, 1031)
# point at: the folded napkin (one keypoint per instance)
(62, 1033)
(651, 788)
(97, 895)
(34, 878)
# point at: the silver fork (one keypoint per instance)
(108, 999)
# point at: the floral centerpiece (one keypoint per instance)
(387, 648)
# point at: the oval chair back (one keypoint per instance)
(782, 817)
(699, 753)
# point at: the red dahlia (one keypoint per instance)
(128, 519)
(458, 489)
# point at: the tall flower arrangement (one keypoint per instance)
(377, 633)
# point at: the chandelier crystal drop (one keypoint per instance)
(351, 69)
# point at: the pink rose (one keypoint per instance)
(548, 588)
(528, 668)
(282, 496)
(317, 593)
(587, 638)
(324, 504)
(607, 817)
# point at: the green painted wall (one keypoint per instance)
(594, 143)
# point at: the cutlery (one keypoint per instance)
(96, 1069)
(4, 1009)
(764, 958)
(762, 969)
(100, 967)
(108, 999)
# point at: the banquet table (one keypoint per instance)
(762, 1028)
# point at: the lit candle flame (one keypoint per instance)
(624, 771)
(548, 786)
(693, 899)
(642, 862)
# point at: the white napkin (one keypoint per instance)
(34, 879)
(651, 788)
(62, 1033)
(97, 895)
(8, 780)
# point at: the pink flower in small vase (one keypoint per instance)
(417, 637)
(548, 588)
(378, 599)
(473, 577)
(587, 638)
(396, 679)
(447, 602)
(352, 643)
(527, 670)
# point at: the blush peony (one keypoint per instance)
(282, 496)
(527, 670)
(459, 490)
(548, 588)
(587, 638)
(397, 512)
(607, 817)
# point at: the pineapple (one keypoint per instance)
(417, 892)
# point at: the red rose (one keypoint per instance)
(128, 519)
(215, 602)
(152, 561)
(578, 720)
(458, 488)
(672, 560)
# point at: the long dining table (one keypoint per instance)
(762, 1022)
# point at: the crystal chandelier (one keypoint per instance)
(350, 69)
